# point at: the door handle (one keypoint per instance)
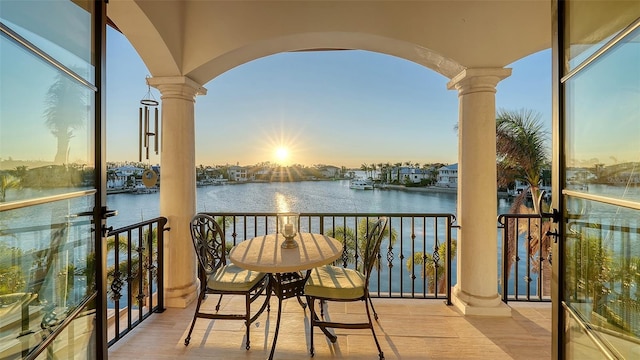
(555, 235)
(84, 213)
(554, 215)
(104, 212)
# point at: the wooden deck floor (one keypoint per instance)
(407, 329)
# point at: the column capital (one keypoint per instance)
(478, 80)
(177, 87)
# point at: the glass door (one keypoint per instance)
(599, 172)
(50, 180)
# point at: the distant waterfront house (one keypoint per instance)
(262, 173)
(618, 173)
(406, 174)
(626, 173)
(280, 174)
(212, 173)
(398, 173)
(448, 176)
(238, 173)
(521, 186)
(330, 171)
(123, 176)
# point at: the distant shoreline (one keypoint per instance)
(428, 189)
(432, 189)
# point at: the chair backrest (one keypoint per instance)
(372, 249)
(209, 242)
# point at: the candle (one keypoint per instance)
(288, 230)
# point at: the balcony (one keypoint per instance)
(406, 329)
(415, 321)
(411, 287)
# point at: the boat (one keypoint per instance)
(361, 184)
(141, 189)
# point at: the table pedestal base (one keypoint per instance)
(285, 286)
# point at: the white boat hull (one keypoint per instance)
(360, 185)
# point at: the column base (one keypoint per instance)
(479, 306)
(181, 297)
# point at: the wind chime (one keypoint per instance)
(144, 130)
(149, 177)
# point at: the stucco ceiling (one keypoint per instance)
(202, 39)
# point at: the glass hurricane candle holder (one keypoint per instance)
(288, 227)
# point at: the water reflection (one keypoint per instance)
(282, 204)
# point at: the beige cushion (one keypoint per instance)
(334, 282)
(233, 278)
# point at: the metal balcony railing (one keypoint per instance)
(526, 257)
(52, 277)
(135, 284)
(417, 258)
(413, 256)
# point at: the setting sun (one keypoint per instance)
(282, 154)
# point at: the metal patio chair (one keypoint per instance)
(218, 277)
(334, 283)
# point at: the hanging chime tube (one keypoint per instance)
(146, 126)
(140, 136)
(157, 131)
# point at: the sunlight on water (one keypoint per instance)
(282, 203)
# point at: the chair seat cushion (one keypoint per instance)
(334, 282)
(233, 278)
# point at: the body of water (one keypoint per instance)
(305, 196)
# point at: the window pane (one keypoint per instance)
(602, 128)
(47, 268)
(590, 24)
(62, 29)
(76, 340)
(579, 344)
(602, 258)
(46, 127)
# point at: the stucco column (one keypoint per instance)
(476, 291)
(178, 185)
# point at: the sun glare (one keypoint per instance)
(282, 154)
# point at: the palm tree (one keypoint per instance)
(431, 266)
(7, 182)
(522, 149)
(20, 172)
(66, 111)
(398, 165)
(347, 236)
(364, 167)
(408, 164)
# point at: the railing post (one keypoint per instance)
(505, 234)
(450, 220)
(160, 276)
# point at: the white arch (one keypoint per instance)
(326, 41)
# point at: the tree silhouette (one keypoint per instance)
(66, 111)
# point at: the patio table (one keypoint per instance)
(284, 266)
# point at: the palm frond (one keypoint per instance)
(522, 146)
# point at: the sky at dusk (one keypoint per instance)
(342, 108)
